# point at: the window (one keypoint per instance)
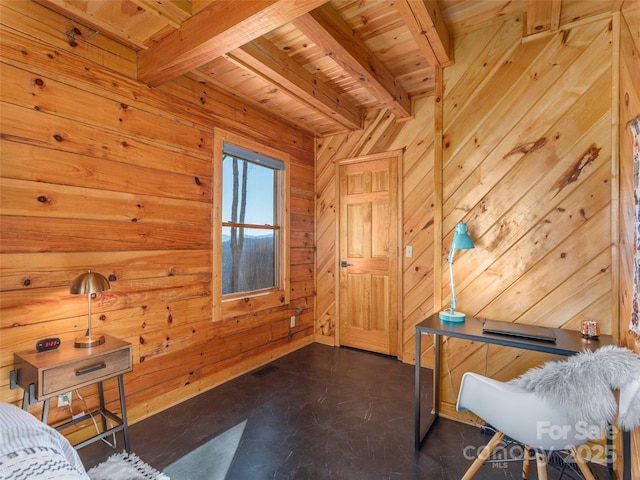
(250, 260)
(250, 220)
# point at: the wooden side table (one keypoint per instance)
(44, 375)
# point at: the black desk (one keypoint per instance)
(568, 342)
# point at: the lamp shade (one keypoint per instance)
(461, 239)
(89, 282)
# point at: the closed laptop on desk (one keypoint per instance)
(533, 332)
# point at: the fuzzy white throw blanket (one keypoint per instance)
(582, 386)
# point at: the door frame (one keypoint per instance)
(397, 154)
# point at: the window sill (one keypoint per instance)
(253, 302)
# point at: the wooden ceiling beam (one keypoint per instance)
(426, 24)
(214, 31)
(269, 62)
(329, 31)
(556, 7)
(172, 12)
(85, 18)
(542, 16)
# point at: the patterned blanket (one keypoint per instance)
(29, 449)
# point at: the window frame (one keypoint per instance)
(230, 305)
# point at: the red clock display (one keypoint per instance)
(47, 344)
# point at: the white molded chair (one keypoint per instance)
(557, 407)
(525, 418)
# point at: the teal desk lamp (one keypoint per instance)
(461, 241)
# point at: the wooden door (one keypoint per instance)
(368, 238)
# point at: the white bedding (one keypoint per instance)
(29, 449)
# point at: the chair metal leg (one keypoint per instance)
(541, 462)
(482, 457)
(582, 465)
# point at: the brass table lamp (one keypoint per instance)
(87, 284)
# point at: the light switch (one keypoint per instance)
(409, 251)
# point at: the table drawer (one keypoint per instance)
(70, 376)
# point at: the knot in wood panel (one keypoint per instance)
(528, 147)
(572, 175)
(587, 158)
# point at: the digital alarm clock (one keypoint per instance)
(47, 344)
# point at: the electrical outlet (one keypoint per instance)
(64, 399)
(293, 321)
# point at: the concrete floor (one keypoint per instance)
(318, 413)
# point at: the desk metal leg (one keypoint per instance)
(102, 406)
(626, 452)
(123, 410)
(436, 378)
(26, 401)
(419, 433)
(45, 411)
(417, 437)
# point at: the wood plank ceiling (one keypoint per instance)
(315, 64)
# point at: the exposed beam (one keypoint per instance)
(85, 18)
(214, 31)
(542, 16)
(329, 31)
(269, 62)
(172, 12)
(556, 7)
(425, 22)
(570, 25)
(616, 5)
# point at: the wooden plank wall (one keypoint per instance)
(530, 165)
(381, 133)
(100, 171)
(629, 98)
(527, 164)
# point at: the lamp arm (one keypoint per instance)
(451, 284)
